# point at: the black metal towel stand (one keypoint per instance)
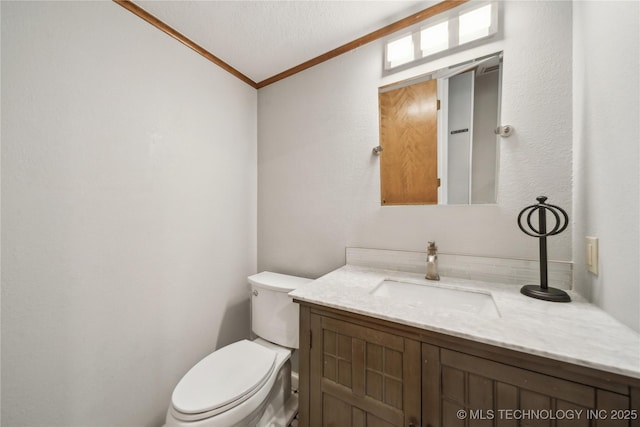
(544, 292)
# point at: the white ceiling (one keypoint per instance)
(263, 38)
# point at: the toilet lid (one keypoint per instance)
(227, 375)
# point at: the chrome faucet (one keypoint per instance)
(432, 262)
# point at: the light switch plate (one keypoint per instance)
(591, 255)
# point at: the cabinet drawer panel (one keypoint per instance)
(369, 335)
(338, 413)
(506, 397)
(576, 421)
(527, 380)
(616, 407)
(453, 384)
(450, 416)
(480, 392)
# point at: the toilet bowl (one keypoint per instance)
(247, 383)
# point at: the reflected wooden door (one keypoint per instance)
(409, 137)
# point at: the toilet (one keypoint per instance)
(247, 383)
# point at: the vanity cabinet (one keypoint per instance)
(360, 371)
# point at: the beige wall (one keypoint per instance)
(607, 153)
(128, 214)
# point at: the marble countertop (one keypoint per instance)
(577, 332)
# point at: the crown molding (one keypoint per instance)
(375, 35)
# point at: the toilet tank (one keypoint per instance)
(274, 315)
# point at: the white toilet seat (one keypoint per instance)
(223, 380)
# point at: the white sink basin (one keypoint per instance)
(438, 298)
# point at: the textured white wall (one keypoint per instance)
(128, 214)
(607, 153)
(319, 183)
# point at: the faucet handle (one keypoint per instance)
(431, 248)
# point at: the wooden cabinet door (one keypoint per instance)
(362, 377)
(463, 390)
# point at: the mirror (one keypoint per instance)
(437, 135)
